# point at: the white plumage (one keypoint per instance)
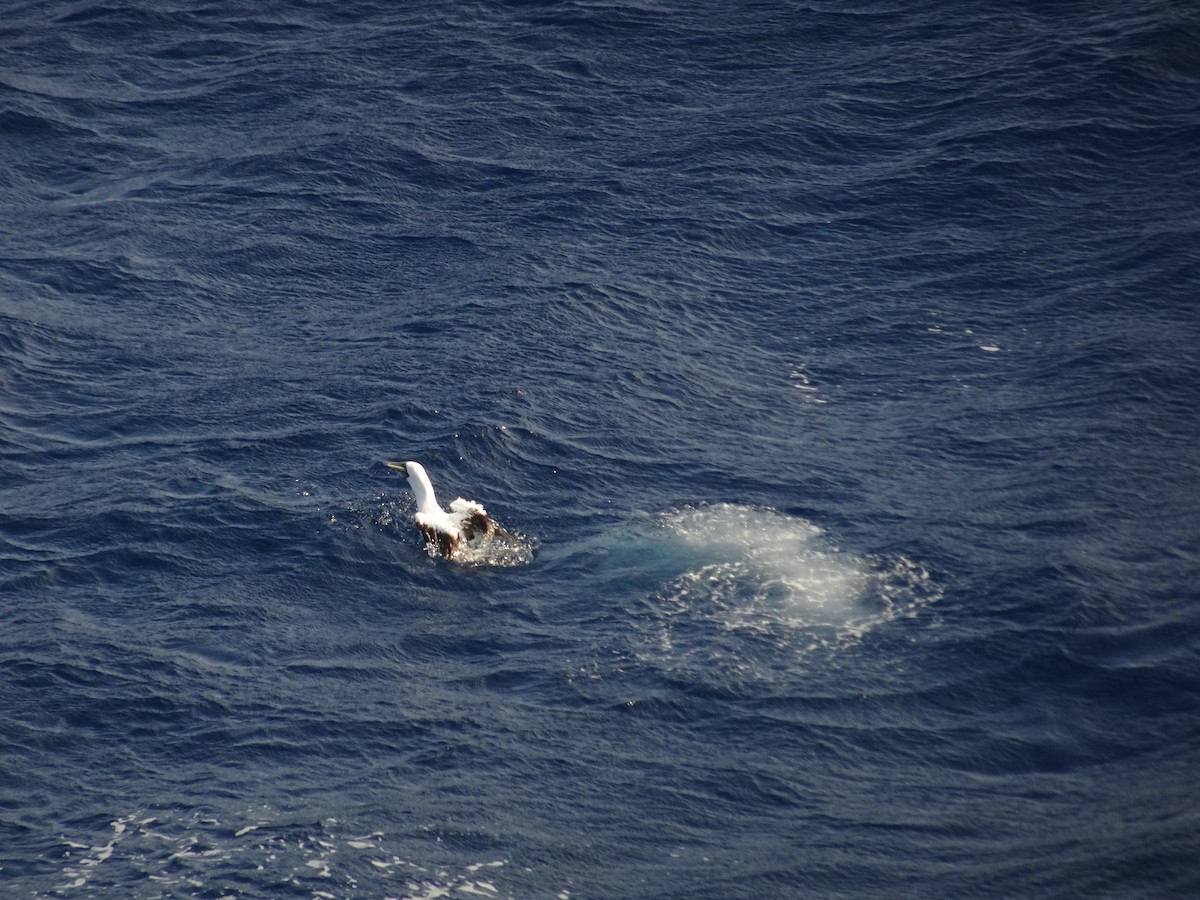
(466, 526)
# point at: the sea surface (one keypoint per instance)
(837, 364)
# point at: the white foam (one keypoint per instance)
(764, 574)
(765, 568)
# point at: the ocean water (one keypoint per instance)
(839, 364)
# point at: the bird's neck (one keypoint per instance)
(423, 494)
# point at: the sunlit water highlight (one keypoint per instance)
(180, 856)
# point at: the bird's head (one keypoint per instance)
(410, 470)
(419, 482)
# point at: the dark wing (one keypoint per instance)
(443, 542)
(477, 526)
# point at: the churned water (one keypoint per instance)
(837, 367)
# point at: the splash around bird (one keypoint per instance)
(466, 533)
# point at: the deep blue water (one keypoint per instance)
(842, 361)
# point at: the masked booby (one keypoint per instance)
(467, 526)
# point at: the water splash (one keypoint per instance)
(504, 548)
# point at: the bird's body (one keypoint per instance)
(466, 526)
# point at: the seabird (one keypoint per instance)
(466, 526)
